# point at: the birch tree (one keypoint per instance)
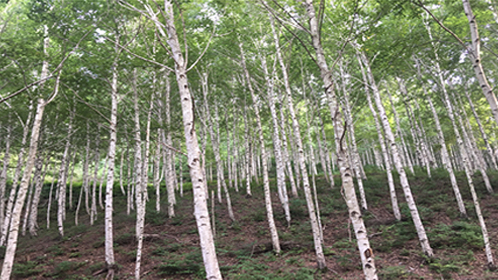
(23, 187)
(266, 180)
(422, 236)
(167, 32)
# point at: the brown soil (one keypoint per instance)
(168, 241)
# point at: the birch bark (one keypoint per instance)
(62, 181)
(444, 150)
(468, 136)
(266, 182)
(39, 179)
(111, 156)
(288, 92)
(86, 176)
(10, 202)
(21, 195)
(476, 60)
(93, 207)
(468, 172)
(354, 153)
(415, 128)
(196, 172)
(213, 124)
(464, 157)
(422, 236)
(170, 185)
(481, 129)
(139, 184)
(277, 145)
(247, 154)
(3, 175)
(23, 187)
(387, 161)
(399, 131)
(342, 157)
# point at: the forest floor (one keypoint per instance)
(171, 247)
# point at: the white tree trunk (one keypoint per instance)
(466, 166)
(399, 131)
(288, 92)
(342, 157)
(170, 188)
(266, 182)
(139, 184)
(49, 206)
(62, 181)
(213, 128)
(157, 170)
(354, 154)
(3, 174)
(73, 165)
(474, 151)
(86, 176)
(111, 156)
(248, 154)
(20, 163)
(196, 172)
(483, 133)
(444, 152)
(476, 60)
(422, 236)
(101, 183)
(279, 160)
(415, 128)
(93, 207)
(387, 161)
(21, 195)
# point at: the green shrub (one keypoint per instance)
(394, 272)
(298, 209)
(259, 215)
(458, 235)
(25, 270)
(188, 264)
(124, 239)
(64, 269)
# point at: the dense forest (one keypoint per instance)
(275, 139)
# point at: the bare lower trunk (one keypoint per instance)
(38, 180)
(405, 157)
(21, 195)
(3, 174)
(139, 184)
(196, 172)
(20, 163)
(109, 239)
(356, 163)
(387, 161)
(86, 176)
(483, 133)
(444, 152)
(248, 154)
(212, 123)
(61, 182)
(266, 182)
(279, 161)
(93, 208)
(170, 188)
(422, 236)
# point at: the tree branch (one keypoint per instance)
(421, 5)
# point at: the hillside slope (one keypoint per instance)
(171, 246)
